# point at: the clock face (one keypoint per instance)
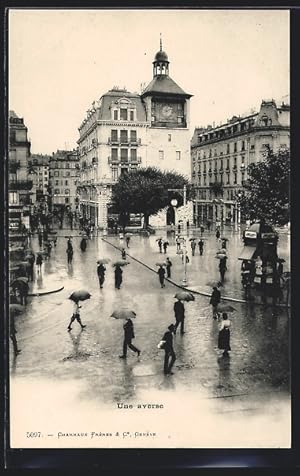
(167, 111)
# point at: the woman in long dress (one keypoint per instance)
(224, 334)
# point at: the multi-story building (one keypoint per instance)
(220, 157)
(123, 131)
(64, 174)
(19, 184)
(39, 172)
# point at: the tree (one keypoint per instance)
(145, 191)
(266, 195)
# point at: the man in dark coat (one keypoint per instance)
(201, 245)
(169, 265)
(31, 261)
(83, 244)
(179, 316)
(222, 268)
(70, 255)
(118, 277)
(101, 274)
(165, 246)
(193, 247)
(161, 273)
(169, 351)
(12, 334)
(128, 336)
(214, 301)
(160, 245)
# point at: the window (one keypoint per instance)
(210, 152)
(67, 182)
(67, 165)
(133, 155)
(114, 135)
(67, 191)
(13, 198)
(169, 137)
(123, 114)
(124, 155)
(132, 115)
(56, 190)
(115, 115)
(227, 164)
(124, 136)
(161, 154)
(228, 148)
(235, 178)
(235, 147)
(243, 145)
(114, 173)
(56, 182)
(56, 173)
(228, 181)
(68, 174)
(133, 137)
(114, 154)
(67, 200)
(178, 154)
(234, 161)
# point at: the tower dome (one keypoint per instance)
(161, 63)
(161, 56)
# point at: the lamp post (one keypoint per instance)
(238, 197)
(174, 203)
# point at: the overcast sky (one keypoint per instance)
(60, 61)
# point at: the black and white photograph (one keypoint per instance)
(148, 204)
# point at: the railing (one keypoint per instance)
(137, 160)
(127, 141)
(112, 160)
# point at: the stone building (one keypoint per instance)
(220, 157)
(64, 174)
(19, 181)
(123, 131)
(39, 173)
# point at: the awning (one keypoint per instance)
(247, 253)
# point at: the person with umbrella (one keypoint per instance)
(224, 335)
(101, 274)
(161, 274)
(128, 336)
(169, 350)
(39, 262)
(214, 301)
(13, 332)
(201, 246)
(168, 267)
(218, 234)
(165, 246)
(193, 246)
(159, 242)
(179, 315)
(31, 260)
(76, 312)
(118, 276)
(83, 244)
(222, 268)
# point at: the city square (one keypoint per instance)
(93, 300)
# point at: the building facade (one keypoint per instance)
(220, 157)
(39, 172)
(123, 131)
(64, 174)
(19, 183)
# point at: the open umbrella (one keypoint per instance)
(192, 239)
(214, 283)
(157, 239)
(123, 314)
(224, 239)
(185, 296)
(15, 309)
(128, 234)
(80, 295)
(21, 279)
(220, 256)
(121, 263)
(162, 263)
(225, 308)
(103, 261)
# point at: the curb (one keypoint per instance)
(201, 293)
(46, 292)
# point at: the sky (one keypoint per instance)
(60, 61)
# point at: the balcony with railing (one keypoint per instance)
(20, 185)
(129, 141)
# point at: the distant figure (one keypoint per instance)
(224, 244)
(224, 334)
(193, 247)
(76, 315)
(168, 267)
(127, 241)
(178, 243)
(70, 255)
(69, 243)
(101, 274)
(40, 239)
(179, 316)
(161, 273)
(39, 262)
(160, 245)
(31, 261)
(12, 334)
(23, 289)
(123, 253)
(128, 336)
(222, 268)
(214, 301)
(201, 246)
(218, 234)
(48, 248)
(169, 351)
(83, 244)
(165, 246)
(118, 277)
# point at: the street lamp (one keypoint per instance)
(174, 203)
(238, 197)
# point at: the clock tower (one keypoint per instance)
(168, 116)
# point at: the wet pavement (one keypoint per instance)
(79, 373)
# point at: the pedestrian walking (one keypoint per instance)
(187, 259)
(128, 336)
(161, 273)
(69, 243)
(165, 246)
(48, 248)
(193, 247)
(123, 253)
(127, 241)
(224, 243)
(178, 243)
(179, 316)
(12, 334)
(23, 290)
(101, 274)
(76, 316)
(169, 350)
(31, 261)
(201, 246)
(168, 267)
(40, 239)
(224, 334)
(83, 244)
(218, 234)
(70, 255)
(159, 242)
(39, 262)
(118, 277)
(223, 268)
(214, 301)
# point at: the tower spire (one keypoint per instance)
(160, 42)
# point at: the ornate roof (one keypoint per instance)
(164, 85)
